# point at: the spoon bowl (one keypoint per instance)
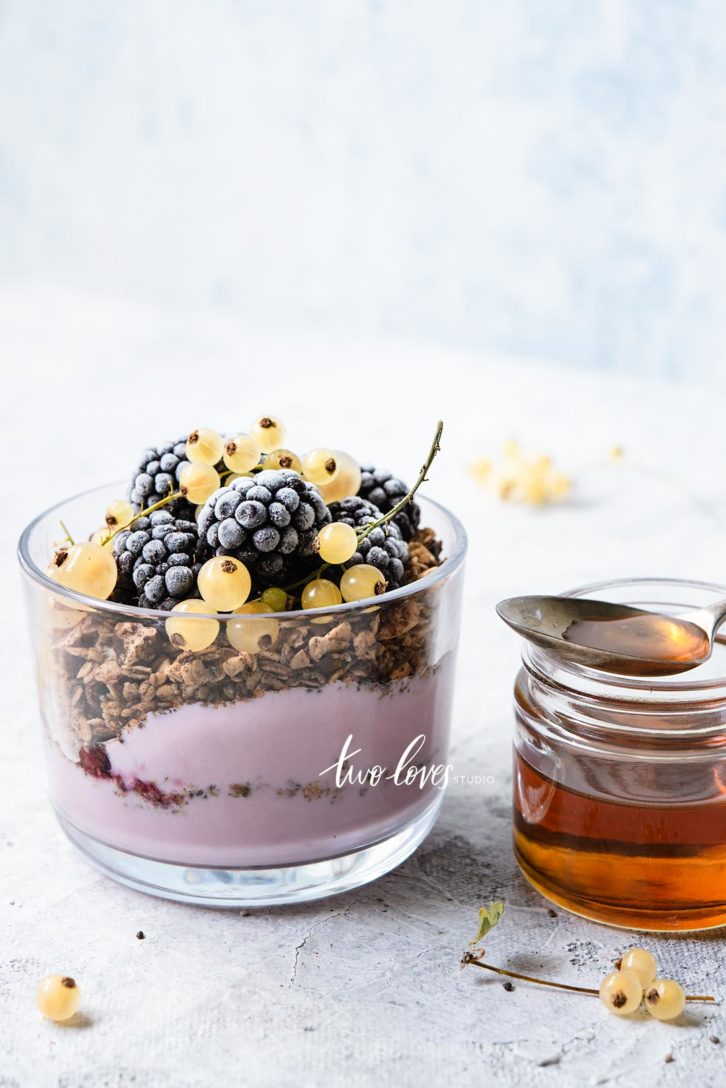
(614, 638)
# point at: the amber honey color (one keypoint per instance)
(647, 640)
(659, 866)
(620, 778)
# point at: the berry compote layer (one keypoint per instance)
(241, 784)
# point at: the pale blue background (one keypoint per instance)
(543, 178)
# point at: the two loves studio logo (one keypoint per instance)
(409, 770)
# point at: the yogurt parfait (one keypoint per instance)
(245, 663)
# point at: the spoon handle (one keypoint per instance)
(710, 618)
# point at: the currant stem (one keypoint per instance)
(308, 578)
(435, 448)
(470, 958)
(66, 530)
(363, 533)
(144, 513)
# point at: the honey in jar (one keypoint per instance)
(620, 781)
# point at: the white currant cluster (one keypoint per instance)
(522, 478)
(634, 983)
(336, 474)
(224, 582)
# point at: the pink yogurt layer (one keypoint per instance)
(278, 744)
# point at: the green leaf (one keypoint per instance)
(488, 918)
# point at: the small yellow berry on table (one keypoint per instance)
(665, 999)
(621, 992)
(533, 481)
(481, 470)
(58, 997)
(642, 963)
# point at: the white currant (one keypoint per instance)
(274, 599)
(119, 513)
(283, 459)
(58, 997)
(337, 542)
(86, 568)
(188, 632)
(621, 992)
(345, 482)
(241, 453)
(320, 466)
(224, 583)
(664, 999)
(269, 432)
(250, 635)
(321, 593)
(362, 581)
(204, 446)
(642, 963)
(197, 482)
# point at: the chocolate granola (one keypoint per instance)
(111, 674)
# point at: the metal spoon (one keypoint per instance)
(614, 637)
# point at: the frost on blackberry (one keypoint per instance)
(269, 522)
(157, 475)
(157, 560)
(384, 547)
(384, 490)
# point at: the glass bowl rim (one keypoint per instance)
(534, 655)
(449, 566)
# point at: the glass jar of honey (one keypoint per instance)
(620, 781)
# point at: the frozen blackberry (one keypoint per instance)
(268, 521)
(157, 475)
(384, 491)
(384, 548)
(157, 560)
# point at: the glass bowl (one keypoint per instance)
(239, 779)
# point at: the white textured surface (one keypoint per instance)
(364, 989)
(537, 176)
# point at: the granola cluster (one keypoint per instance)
(112, 674)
